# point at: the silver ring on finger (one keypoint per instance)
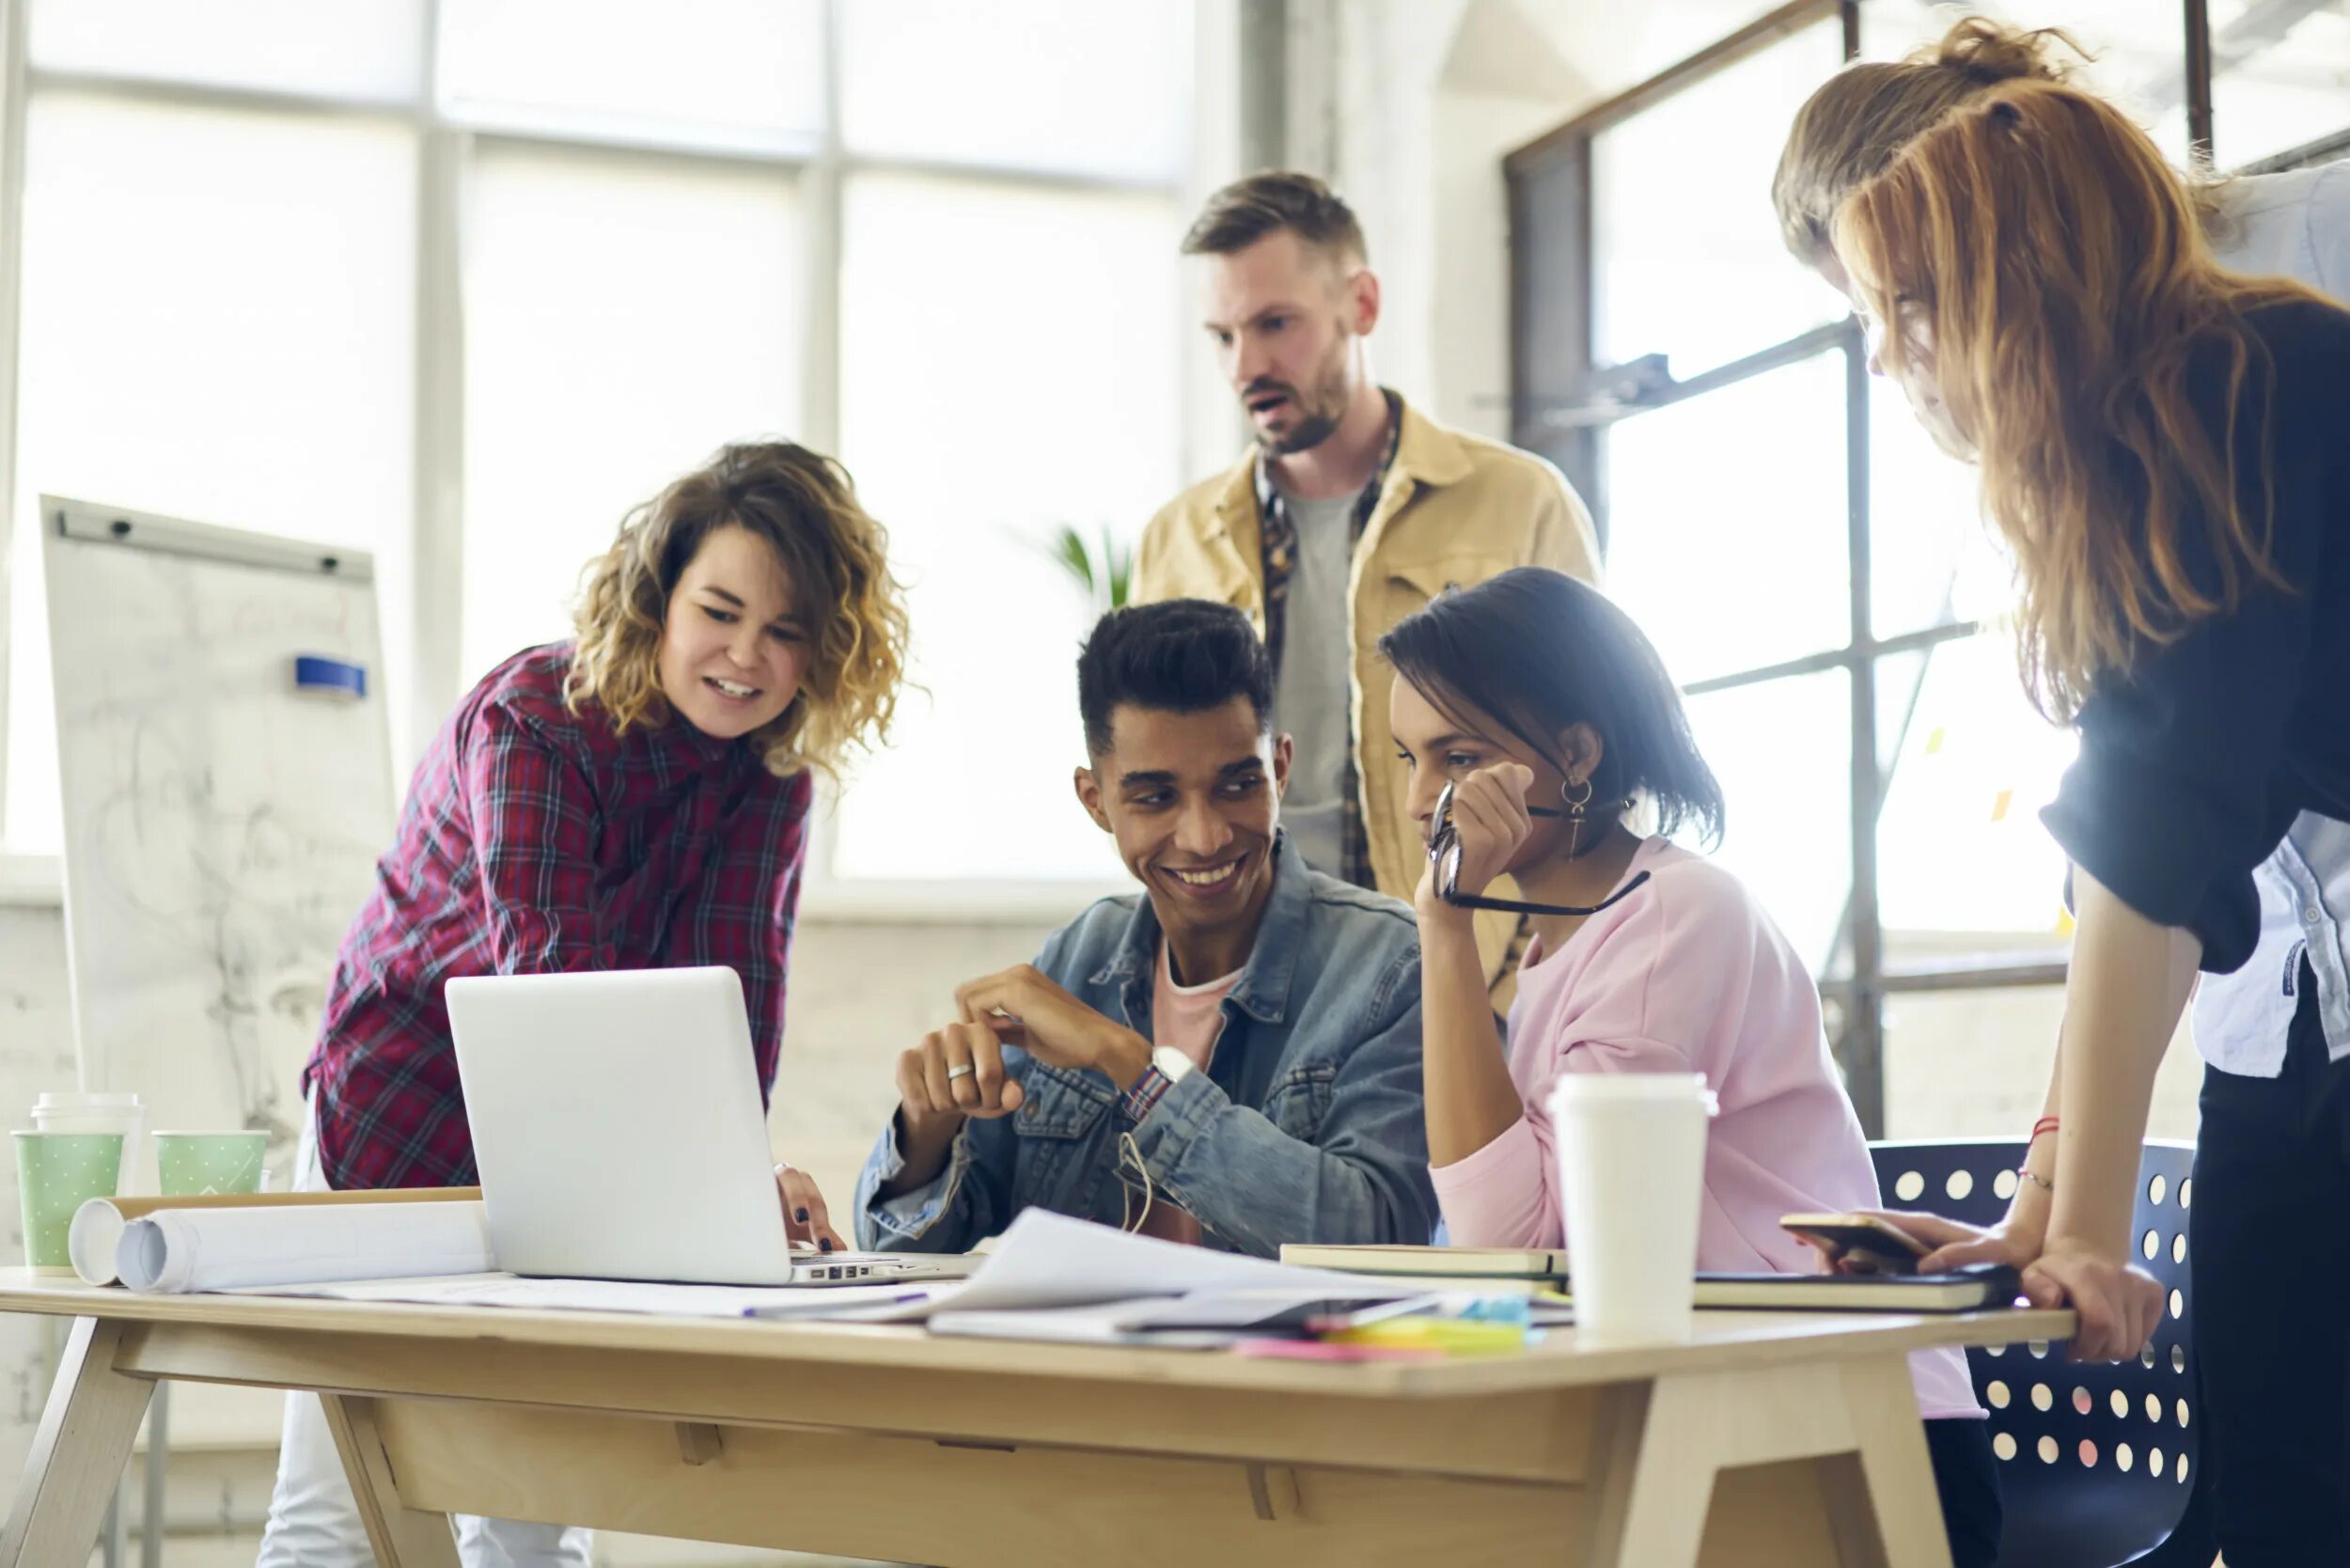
(962, 1069)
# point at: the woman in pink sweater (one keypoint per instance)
(1548, 713)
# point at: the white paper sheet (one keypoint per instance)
(1047, 1259)
(173, 1250)
(620, 1295)
(1118, 1322)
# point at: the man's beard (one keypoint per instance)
(1304, 436)
(1316, 419)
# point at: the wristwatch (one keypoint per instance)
(1168, 1067)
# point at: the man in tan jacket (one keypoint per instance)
(1352, 511)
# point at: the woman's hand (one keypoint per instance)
(2120, 1305)
(1953, 1243)
(1491, 821)
(1426, 902)
(805, 1218)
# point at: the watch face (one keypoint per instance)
(1448, 867)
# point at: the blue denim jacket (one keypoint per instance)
(1307, 1125)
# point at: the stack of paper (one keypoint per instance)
(1054, 1277)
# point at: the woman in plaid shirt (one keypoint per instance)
(635, 798)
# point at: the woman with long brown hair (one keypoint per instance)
(2293, 224)
(635, 797)
(2165, 450)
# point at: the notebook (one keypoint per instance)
(1497, 1262)
(1964, 1290)
(1968, 1290)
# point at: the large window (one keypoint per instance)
(460, 282)
(973, 476)
(219, 323)
(1810, 567)
(624, 315)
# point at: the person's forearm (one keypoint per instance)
(2129, 980)
(2028, 1214)
(924, 1147)
(1471, 1097)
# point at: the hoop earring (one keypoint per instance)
(1576, 811)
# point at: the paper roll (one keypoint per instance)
(98, 1225)
(173, 1251)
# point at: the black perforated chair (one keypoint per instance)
(2101, 1466)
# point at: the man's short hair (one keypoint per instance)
(1178, 656)
(1247, 210)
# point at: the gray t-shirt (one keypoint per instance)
(1312, 698)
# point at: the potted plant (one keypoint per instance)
(1101, 567)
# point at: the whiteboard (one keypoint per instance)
(220, 827)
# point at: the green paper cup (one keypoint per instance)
(189, 1165)
(57, 1173)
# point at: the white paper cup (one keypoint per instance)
(1631, 1152)
(110, 1111)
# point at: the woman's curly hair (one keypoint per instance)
(834, 558)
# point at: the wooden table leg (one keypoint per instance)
(78, 1454)
(1882, 1497)
(1660, 1448)
(402, 1537)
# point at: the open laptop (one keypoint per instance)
(618, 1127)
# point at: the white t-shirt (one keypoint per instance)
(2292, 225)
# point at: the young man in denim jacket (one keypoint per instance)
(1231, 1057)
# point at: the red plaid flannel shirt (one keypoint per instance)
(535, 840)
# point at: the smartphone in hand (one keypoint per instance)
(1859, 1244)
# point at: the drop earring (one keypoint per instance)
(1577, 816)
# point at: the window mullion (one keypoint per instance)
(1863, 1053)
(14, 32)
(821, 199)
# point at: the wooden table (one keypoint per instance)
(1772, 1439)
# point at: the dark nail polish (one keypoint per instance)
(825, 1244)
(800, 1215)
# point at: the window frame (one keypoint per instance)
(1561, 401)
(447, 136)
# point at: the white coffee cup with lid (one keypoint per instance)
(1630, 1155)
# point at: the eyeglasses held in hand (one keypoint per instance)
(1444, 851)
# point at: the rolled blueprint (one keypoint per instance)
(172, 1251)
(99, 1224)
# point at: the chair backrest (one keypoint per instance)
(2099, 1464)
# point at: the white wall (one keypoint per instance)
(859, 995)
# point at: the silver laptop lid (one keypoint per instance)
(618, 1125)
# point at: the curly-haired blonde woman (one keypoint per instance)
(635, 798)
